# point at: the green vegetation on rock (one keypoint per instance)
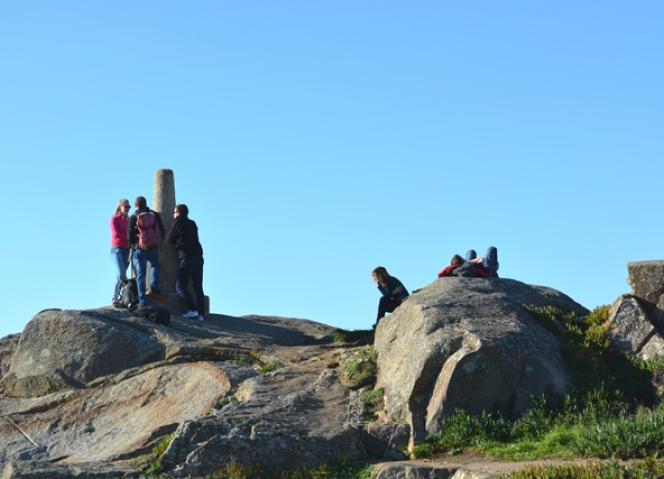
(359, 369)
(151, 464)
(609, 414)
(361, 335)
(372, 401)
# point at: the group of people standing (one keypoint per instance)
(137, 239)
(393, 292)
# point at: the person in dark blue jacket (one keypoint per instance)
(393, 291)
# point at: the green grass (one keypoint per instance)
(151, 464)
(598, 425)
(339, 470)
(269, 367)
(648, 469)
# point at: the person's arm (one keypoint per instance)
(175, 232)
(131, 226)
(395, 288)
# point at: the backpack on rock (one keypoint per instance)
(128, 295)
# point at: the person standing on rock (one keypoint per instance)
(393, 291)
(184, 236)
(120, 246)
(144, 235)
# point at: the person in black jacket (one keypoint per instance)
(184, 236)
(393, 291)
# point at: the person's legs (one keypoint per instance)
(140, 262)
(385, 305)
(471, 254)
(120, 258)
(491, 261)
(184, 275)
(197, 282)
(153, 259)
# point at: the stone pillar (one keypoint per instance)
(163, 202)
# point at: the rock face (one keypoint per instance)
(631, 327)
(91, 393)
(637, 319)
(66, 348)
(646, 279)
(113, 421)
(468, 343)
(204, 386)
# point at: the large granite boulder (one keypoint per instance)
(633, 330)
(113, 421)
(468, 343)
(646, 278)
(60, 349)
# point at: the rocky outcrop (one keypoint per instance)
(468, 343)
(646, 278)
(632, 330)
(261, 391)
(60, 349)
(116, 420)
(637, 319)
(89, 393)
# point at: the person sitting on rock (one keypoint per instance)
(393, 291)
(473, 267)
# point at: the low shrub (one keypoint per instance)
(269, 367)
(361, 336)
(372, 402)
(359, 369)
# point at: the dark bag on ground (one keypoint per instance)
(154, 314)
(128, 295)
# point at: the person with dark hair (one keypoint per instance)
(120, 246)
(473, 267)
(392, 290)
(184, 236)
(454, 264)
(144, 235)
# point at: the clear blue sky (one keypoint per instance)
(314, 141)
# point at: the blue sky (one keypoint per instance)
(314, 141)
